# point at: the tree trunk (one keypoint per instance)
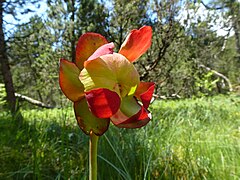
(235, 9)
(5, 68)
(73, 32)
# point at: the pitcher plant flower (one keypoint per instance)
(105, 86)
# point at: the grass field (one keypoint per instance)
(186, 139)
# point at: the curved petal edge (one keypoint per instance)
(69, 81)
(103, 50)
(136, 43)
(87, 121)
(87, 44)
(140, 119)
(144, 93)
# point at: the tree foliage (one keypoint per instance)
(182, 46)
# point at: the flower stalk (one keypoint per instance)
(93, 143)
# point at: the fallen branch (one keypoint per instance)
(218, 74)
(172, 96)
(33, 101)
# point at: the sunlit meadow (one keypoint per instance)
(187, 139)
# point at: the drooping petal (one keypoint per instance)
(131, 114)
(69, 80)
(136, 121)
(104, 49)
(87, 121)
(144, 92)
(136, 43)
(87, 44)
(111, 71)
(103, 103)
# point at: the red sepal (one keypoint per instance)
(87, 121)
(69, 81)
(87, 44)
(136, 43)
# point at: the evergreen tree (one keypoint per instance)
(9, 7)
(124, 16)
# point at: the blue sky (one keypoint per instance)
(41, 11)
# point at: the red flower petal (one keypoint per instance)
(103, 103)
(69, 80)
(131, 114)
(87, 121)
(87, 44)
(104, 49)
(141, 118)
(136, 43)
(144, 92)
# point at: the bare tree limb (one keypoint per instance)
(33, 101)
(211, 8)
(218, 74)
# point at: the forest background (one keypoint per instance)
(195, 47)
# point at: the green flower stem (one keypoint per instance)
(93, 156)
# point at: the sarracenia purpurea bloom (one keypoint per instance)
(105, 86)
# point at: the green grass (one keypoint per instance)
(187, 139)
